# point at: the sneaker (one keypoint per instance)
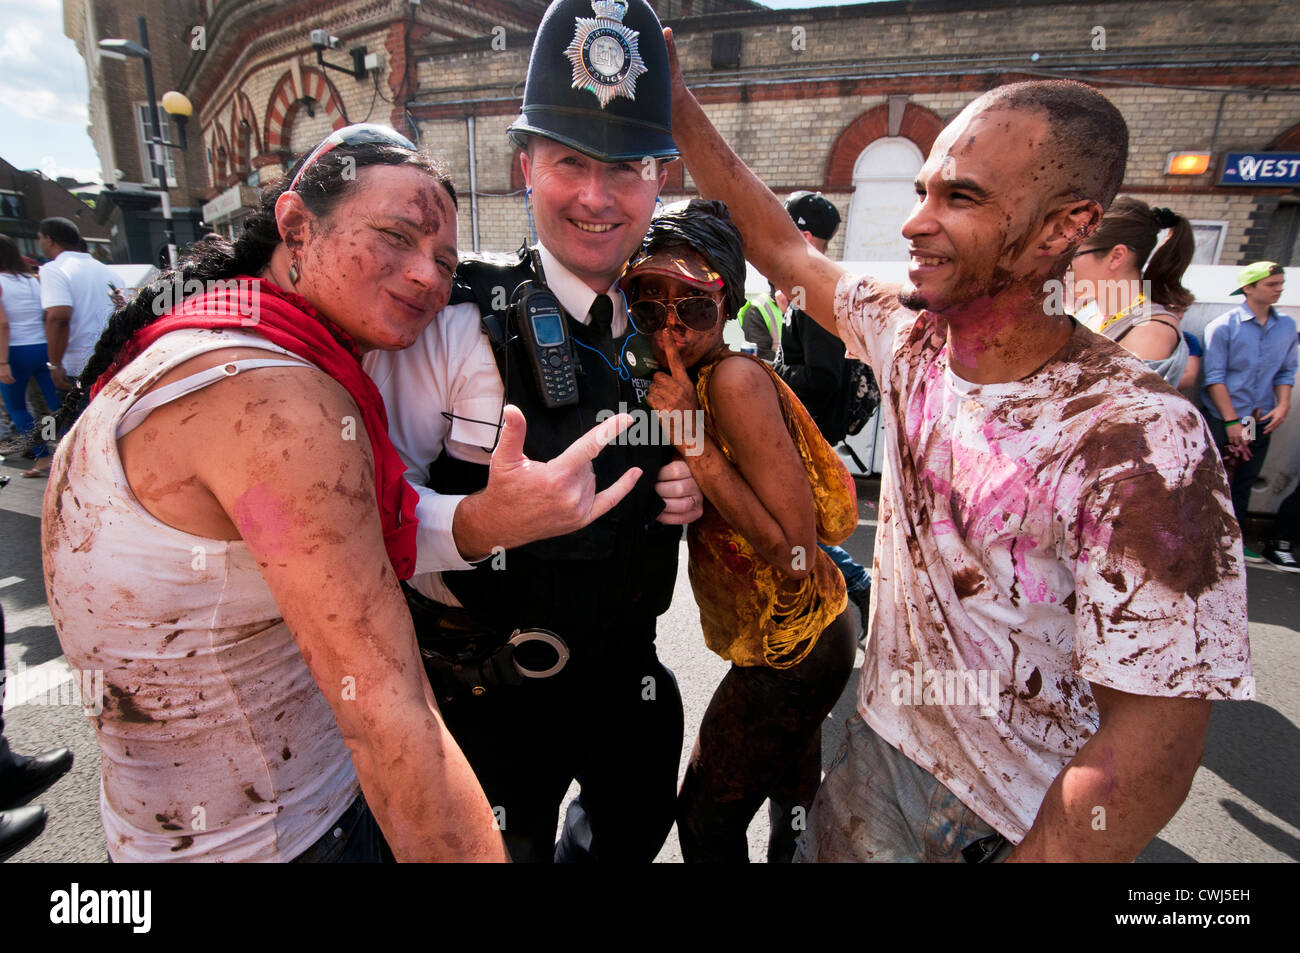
(1251, 555)
(1280, 555)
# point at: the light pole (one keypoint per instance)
(176, 105)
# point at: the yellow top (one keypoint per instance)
(751, 612)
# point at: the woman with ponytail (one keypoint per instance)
(226, 524)
(1109, 274)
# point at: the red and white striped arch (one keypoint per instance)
(315, 86)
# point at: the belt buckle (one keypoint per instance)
(522, 636)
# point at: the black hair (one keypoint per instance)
(325, 183)
(62, 232)
(1085, 129)
(1134, 224)
(705, 226)
(11, 259)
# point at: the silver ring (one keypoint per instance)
(520, 636)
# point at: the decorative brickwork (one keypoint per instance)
(919, 125)
(315, 86)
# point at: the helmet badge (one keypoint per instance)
(604, 53)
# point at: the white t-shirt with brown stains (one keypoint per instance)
(1036, 536)
(215, 742)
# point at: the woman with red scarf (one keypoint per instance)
(226, 524)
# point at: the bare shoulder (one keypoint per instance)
(736, 373)
(743, 400)
(283, 424)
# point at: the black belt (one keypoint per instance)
(462, 660)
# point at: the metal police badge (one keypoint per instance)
(604, 53)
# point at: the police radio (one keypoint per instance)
(537, 319)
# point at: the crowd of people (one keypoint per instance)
(373, 573)
(50, 318)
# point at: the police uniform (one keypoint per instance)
(611, 716)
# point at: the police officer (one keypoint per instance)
(540, 643)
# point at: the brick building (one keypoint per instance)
(264, 95)
(842, 99)
(120, 122)
(28, 197)
(849, 99)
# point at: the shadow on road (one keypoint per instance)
(1256, 749)
(1268, 833)
(40, 644)
(1161, 852)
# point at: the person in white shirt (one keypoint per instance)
(77, 295)
(1060, 590)
(22, 356)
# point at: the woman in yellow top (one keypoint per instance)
(771, 601)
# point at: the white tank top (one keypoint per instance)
(21, 297)
(215, 741)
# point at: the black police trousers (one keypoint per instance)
(612, 722)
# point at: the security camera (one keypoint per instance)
(322, 40)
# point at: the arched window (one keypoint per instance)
(884, 193)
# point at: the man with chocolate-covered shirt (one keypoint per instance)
(1059, 579)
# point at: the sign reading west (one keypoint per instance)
(1261, 168)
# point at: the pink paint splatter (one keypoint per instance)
(263, 519)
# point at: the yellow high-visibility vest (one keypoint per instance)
(771, 313)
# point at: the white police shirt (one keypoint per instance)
(450, 371)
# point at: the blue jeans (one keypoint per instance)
(875, 804)
(25, 362)
(856, 577)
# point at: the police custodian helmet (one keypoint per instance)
(598, 81)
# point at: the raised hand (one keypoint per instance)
(527, 500)
(672, 395)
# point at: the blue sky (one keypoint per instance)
(43, 93)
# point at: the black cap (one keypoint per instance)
(598, 81)
(813, 212)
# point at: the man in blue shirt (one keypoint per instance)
(1250, 366)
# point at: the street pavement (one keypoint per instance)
(1242, 806)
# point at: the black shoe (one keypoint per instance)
(1278, 552)
(20, 827)
(862, 599)
(24, 778)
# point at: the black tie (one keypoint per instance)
(600, 318)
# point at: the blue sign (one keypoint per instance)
(1261, 168)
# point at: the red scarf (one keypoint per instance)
(291, 321)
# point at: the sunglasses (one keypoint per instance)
(360, 134)
(1089, 251)
(699, 313)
